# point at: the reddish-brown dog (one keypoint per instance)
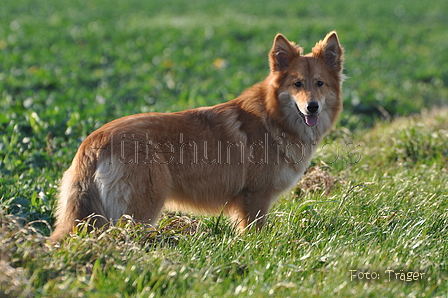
(236, 157)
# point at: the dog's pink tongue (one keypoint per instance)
(311, 120)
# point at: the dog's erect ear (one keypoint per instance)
(281, 54)
(330, 50)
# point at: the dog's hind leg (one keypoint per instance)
(138, 190)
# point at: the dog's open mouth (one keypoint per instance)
(310, 120)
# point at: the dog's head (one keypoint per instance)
(311, 83)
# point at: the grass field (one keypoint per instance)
(375, 202)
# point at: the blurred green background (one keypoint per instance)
(105, 59)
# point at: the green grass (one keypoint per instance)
(68, 67)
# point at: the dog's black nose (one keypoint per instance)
(312, 107)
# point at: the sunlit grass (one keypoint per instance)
(372, 220)
(375, 199)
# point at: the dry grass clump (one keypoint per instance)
(27, 258)
(20, 243)
(316, 179)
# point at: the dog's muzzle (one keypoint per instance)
(311, 118)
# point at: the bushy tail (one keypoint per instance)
(78, 198)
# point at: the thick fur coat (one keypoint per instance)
(236, 157)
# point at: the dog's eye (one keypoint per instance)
(319, 83)
(298, 84)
